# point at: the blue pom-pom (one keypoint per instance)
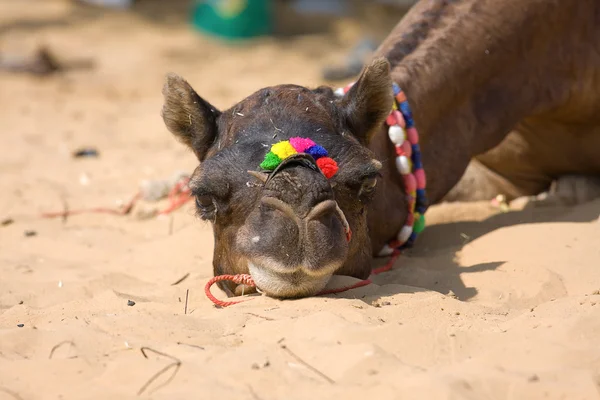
(316, 152)
(396, 89)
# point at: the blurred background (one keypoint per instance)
(80, 81)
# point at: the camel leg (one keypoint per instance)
(567, 190)
(481, 183)
(509, 169)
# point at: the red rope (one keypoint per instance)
(101, 210)
(178, 196)
(240, 279)
(247, 280)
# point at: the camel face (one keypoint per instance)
(287, 227)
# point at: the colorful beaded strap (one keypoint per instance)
(405, 137)
(286, 148)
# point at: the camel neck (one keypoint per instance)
(471, 78)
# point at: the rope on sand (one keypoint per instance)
(179, 194)
(245, 279)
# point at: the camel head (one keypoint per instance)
(287, 226)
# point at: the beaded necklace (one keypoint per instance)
(405, 137)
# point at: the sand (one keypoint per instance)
(488, 305)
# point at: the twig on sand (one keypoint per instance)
(260, 316)
(59, 345)
(190, 345)
(187, 293)
(171, 224)
(253, 393)
(307, 365)
(176, 363)
(11, 393)
(178, 281)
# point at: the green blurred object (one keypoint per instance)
(233, 19)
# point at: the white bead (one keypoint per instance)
(403, 165)
(339, 92)
(386, 251)
(397, 134)
(405, 233)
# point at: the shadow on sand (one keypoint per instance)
(432, 265)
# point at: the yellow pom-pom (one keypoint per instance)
(283, 149)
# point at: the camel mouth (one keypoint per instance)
(288, 283)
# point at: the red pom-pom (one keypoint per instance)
(328, 166)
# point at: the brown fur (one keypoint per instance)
(514, 84)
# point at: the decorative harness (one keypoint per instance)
(405, 137)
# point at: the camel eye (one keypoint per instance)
(206, 206)
(368, 186)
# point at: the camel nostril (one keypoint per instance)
(327, 206)
(282, 206)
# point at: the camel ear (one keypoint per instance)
(190, 118)
(368, 103)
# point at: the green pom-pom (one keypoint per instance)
(419, 224)
(270, 162)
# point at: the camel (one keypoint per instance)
(504, 93)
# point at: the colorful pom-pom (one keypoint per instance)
(283, 149)
(316, 152)
(270, 162)
(301, 144)
(328, 166)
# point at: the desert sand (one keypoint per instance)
(488, 305)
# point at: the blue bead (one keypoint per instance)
(396, 89)
(317, 152)
(416, 148)
(421, 194)
(421, 209)
(412, 238)
(410, 122)
(405, 109)
(416, 159)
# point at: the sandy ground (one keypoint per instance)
(488, 305)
